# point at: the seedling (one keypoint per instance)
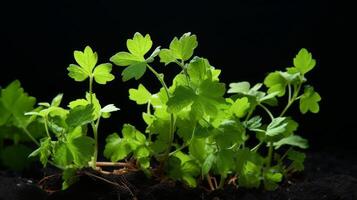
(196, 129)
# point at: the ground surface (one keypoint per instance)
(327, 176)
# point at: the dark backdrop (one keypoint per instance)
(246, 39)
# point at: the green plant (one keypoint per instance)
(199, 132)
(194, 130)
(16, 127)
(67, 144)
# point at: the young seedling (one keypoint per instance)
(193, 129)
(200, 132)
(67, 145)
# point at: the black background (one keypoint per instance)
(246, 39)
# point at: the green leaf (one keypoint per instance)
(77, 73)
(102, 73)
(276, 83)
(139, 45)
(240, 107)
(69, 177)
(82, 149)
(208, 163)
(44, 150)
(126, 59)
(225, 162)
(14, 103)
(116, 148)
(272, 177)
(57, 100)
(80, 115)
(183, 48)
(297, 159)
(277, 126)
(230, 133)
(86, 59)
(182, 97)
(240, 87)
(140, 95)
(167, 56)
(293, 140)
(62, 156)
(136, 71)
(15, 157)
(180, 49)
(109, 108)
(309, 101)
(304, 61)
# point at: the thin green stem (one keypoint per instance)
(46, 126)
(270, 153)
(160, 78)
(95, 133)
(172, 118)
(289, 92)
(30, 136)
(182, 65)
(254, 149)
(221, 182)
(267, 111)
(291, 99)
(91, 89)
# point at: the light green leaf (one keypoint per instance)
(102, 73)
(304, 61)
(183, 48)
(276, 127)
(126, 59)
(14, 103)
(116, 148)
(82, 149)
(77, 73)
(240, 107)
(62, 156)
(57, 100)
(208, 163)
(86, 59)
(140, 95)
(293, 140)
(309, 101)
(44, 150)
(139, 45)
(240, 87)
(109, 108)
(167, 56)
(276, 83)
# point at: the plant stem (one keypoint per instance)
(94, 125)
(46, 126)
(254, 149)
(209, 180)
(95, 133)
(30, 136)
(90, 89)
(267, 111)
(270, 153)
(172, 118)
(182, 65)
(291, 99)
(221, 182)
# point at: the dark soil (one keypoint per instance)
(326, 177)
